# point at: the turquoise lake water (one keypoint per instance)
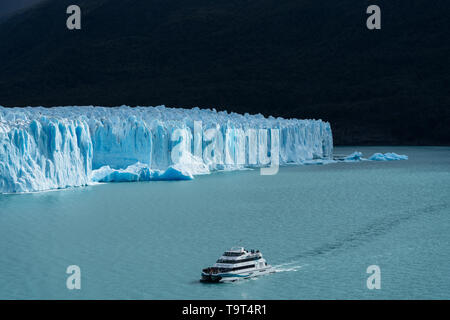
(320, 226)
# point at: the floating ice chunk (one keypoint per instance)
(390, 156)
(357, 156)
(318, 162)
(138, 172)
(107, 174)
(173, 174)
(354, 157)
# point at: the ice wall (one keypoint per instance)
(50, 148)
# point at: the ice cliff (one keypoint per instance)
(53, 148)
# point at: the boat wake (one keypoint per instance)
(287, 267)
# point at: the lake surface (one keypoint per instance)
(321, 226)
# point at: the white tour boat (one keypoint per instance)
(236, 264)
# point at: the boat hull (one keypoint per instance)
(232, 277)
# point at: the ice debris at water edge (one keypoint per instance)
(357, 156)
(390, 156)
(60, 147)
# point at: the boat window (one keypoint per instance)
(215, 270)
(233, 254)
(244, 267)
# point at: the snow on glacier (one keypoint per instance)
(60, 147)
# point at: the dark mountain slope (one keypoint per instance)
(290, 58)
(8, 7)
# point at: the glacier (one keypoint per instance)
(60, 147)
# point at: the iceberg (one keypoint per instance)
(61, 147)
(354, 157)
(358, 156)
(390, 156)
(138, 172)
